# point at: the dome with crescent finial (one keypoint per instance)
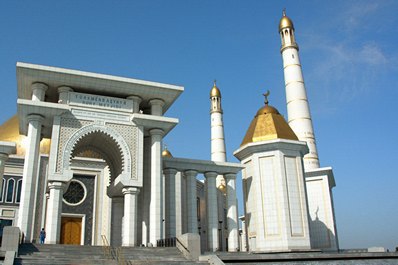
(285, 22)
(166, 153)
(215, 92)
(268, 124)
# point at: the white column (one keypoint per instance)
(211, 201)
(130, 216)
(136, 103)
(54, 210)
(232, 214)
(179, 204)
(117, 221)
(156, 203)
(63, 94)
(30, 171)
(170, 197)
(39, 91)
(192, 208)
(156, 106)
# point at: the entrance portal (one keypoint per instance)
(71, 230)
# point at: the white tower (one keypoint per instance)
(299, 116)
(319, 181)
(218, 153)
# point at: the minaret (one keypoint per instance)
(218, 153)
(298, 111)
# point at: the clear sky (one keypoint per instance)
(348, 51)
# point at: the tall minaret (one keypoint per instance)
(298, 111)
(218, 153)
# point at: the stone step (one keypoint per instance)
(45, 254)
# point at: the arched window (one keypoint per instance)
(19, 187)
(10, 190)
(2, 190)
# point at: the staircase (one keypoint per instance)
(35, 254)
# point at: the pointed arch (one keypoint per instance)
(103, 140)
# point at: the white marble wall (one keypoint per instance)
(275, 201)
(321, 212)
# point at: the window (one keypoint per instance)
(75, 194)
(19, 187)
(10, 190)
(3, 187)
(198, 207)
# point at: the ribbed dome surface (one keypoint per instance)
(268, 124)
(285, 22)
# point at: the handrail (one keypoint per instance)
(113, 253)
(106, 247)
(120, 257)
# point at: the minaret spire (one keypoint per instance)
(217, 128)
(298, 110)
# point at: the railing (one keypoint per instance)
(166, 242)
(106, 247)
(113, 253)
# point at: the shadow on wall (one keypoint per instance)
(321, 236)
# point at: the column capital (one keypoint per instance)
(40, 86)
(170, 171)
(190, 172)
(230, 176)
(135, 98)
(130, 190)
(211, 174)
(35, 117)
(62, 89)
(7, 148)
(39, 91)
(136, 102)
(156, 101)
(58, 185)
(155, 131)
(156, 106)
(63, 94)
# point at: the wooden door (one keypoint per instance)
(71, 230)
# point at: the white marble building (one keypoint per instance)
(88, 165)
(83, 158)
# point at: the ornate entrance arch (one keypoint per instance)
(105, 141)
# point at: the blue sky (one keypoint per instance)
(347, 50)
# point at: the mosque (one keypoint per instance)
(83, 159)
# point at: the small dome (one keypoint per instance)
(222, 188)
(266, 110)
(268, 124)
(166, 153)
(285, 22)
(215, 92)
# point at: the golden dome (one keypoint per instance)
(268, 124)
(222, 188)
(166, 153)
(9, 131)
(215, 92)
(285, 22)
(266, 110)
